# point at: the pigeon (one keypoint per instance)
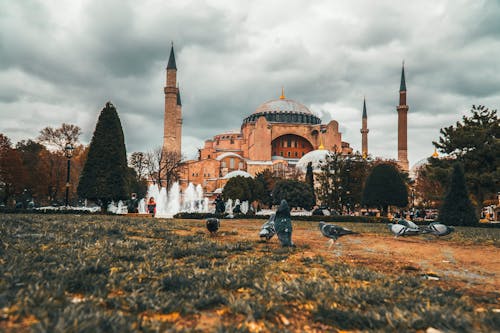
(333, 231)
(213, 225)
(408, 224)
(439, 229)
(267, 230)
(401, 230)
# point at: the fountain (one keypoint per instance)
(167, 205)
(229, 206)
(118, 208)
(174, 204)
(244, 207)
(141, 208)
(161, 203)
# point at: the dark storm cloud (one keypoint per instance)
(60, 62)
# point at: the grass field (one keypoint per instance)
(117, 274)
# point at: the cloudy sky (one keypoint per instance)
(60, 61)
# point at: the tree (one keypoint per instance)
(54, 162)
(267, 181)
(163, 166)
(138, 173)
(296, 193)
(12, 171)
(105, 174)
(475, 143)
(429, 190)
(137, 185)
(385, 186)
(330, 184)
(341, 181)
(36, 176)
(58, 137)
(239, 187)
(354, 176)
(457, 208)
(139, 161)
(310, 180)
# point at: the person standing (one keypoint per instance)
(152, 206)
(283, 224)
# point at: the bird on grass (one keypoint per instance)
(438, 229)
(213, 225)
(402, 230)
(268, 230)
(334, 232)
(408, 224)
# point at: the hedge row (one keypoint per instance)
(50, 211)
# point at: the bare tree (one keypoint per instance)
(139, 161)
(59, 137)
(163, 166)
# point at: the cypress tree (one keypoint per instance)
(457, 208)
(385, 186)
(105, 174)
(310, 180)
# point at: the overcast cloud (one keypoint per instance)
(60, 61)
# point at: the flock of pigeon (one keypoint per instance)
(408, 228)
(402, 227)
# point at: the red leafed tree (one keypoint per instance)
(12, 171)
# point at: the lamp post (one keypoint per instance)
(68, 151)
(348, 184)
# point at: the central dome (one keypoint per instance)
(283, 110)
(282, 105)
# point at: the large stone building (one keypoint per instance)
(275, 136)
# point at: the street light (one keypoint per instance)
(348, 185)
(68, 151)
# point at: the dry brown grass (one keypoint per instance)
(94, 273)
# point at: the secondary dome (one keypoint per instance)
(317, 157)
(237, 173)
(283, 105)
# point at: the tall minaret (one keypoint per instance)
(173, 109)
(178, 129)
(364, 132)
(403, 124)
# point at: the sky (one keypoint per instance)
(61, 61)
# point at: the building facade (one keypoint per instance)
(275, 136)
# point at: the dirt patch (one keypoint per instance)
(443, 262)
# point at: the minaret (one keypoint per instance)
(364, 131)
(403, 124)
(173, 109)
(178, 130)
